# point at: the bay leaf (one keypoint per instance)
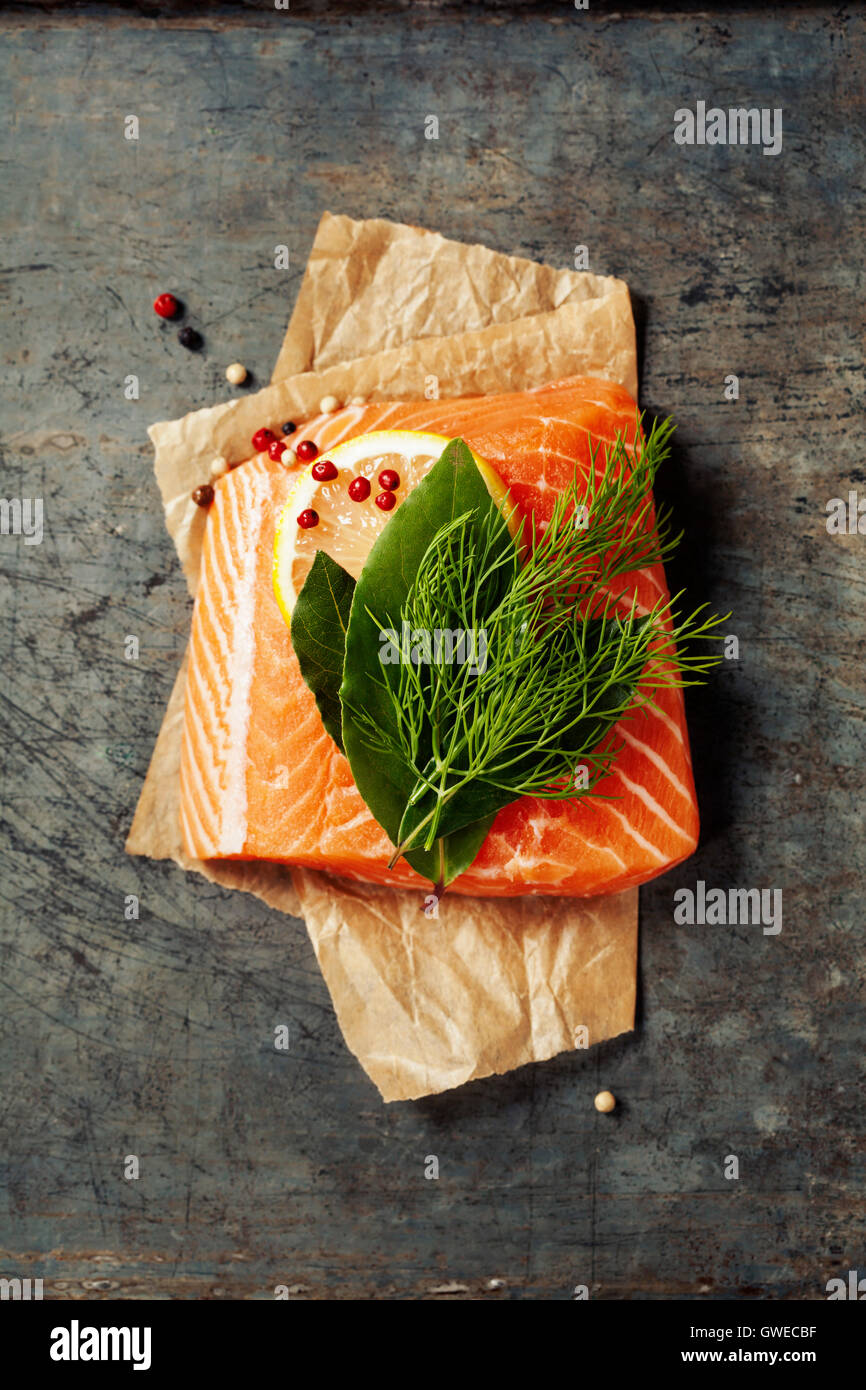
(319, 624)
(452, 488)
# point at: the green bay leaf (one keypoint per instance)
(319, 624)
(452, 488)
(451, 854)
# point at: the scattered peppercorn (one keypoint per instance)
(307, 451)
(218, 466)
(276, 449)
(236, 373)
(328, 404)
(359, 489)
(308, 518)
(289, 427)
(386, 500)
(389, 480)
(288, 457)
(203, 496)
(324, 471)
(189, 338)
(167, 306)
(262, 439)
(605, 1101)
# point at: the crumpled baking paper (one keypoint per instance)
(425, 1004)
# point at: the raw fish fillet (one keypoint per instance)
(262, 780)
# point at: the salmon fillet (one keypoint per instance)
(261, 779)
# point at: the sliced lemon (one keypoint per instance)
(348, 529)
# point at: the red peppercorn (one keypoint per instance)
(359, 489)
(324, 471)
(203, 496)
(276, 449)
(389, 480)
(308, 518)
(386, 500)
(306, 450)
(262, 439)
(167, 306)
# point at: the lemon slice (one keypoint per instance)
(347, 529)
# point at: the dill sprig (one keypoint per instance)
(568, 652)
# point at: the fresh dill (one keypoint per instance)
(569, 652)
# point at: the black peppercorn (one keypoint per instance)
(189, 338)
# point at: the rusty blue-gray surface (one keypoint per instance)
(155, 1037)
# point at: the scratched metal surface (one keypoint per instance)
(155, 1038)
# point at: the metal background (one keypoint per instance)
(155, 1037)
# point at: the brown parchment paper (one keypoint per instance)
(374, 285)
(425, 1004)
